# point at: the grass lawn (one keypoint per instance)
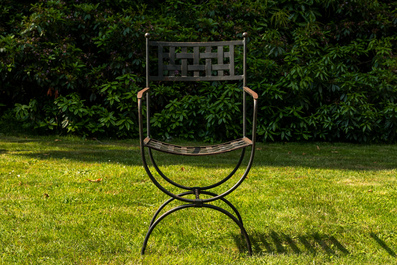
(71, 201)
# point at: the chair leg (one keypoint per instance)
(196, 202)
(237, 221)
(165, 204)
(191, 192)
(227, 202)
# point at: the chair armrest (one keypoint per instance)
(141, 92)
(251, 92)
(140, 118)
(254, 95)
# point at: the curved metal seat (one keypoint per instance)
(196, 52)
(197, 150)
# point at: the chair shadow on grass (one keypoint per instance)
(383, 245)
(280, 243)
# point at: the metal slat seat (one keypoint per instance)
(197, 150)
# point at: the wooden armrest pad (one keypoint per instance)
(141, 92)
(251, 92)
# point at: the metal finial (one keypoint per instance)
(147, 35)
(245, 34)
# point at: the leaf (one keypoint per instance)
(94, 180)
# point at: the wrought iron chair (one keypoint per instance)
(172, 58)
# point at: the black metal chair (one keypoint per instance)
(196, 61)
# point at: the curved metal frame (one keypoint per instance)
(191, 188)
(191, 192)
(196, 191)
(160, 187)
(239, 223)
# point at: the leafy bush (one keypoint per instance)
(324, 70)
(214, 109)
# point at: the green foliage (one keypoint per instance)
(212, 110)
(324, 70)
(328, 77)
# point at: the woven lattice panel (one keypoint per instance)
(189, 61)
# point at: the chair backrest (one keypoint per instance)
(195, 61)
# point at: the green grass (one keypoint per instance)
(310, 203)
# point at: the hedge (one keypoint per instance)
(324, 70)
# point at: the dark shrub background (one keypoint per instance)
(324, 70)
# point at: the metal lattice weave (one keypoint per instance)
(192, 61)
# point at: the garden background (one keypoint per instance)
(324, 70)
